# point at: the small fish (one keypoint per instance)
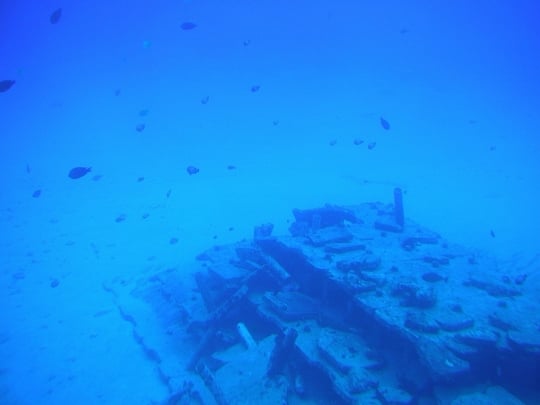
(19, 275)
(205, 100)
(520, 279)
(97, 177)
(432, 277)
(192, 170)
(168, 193)
(54, 283)
(140, 179)
(140, 127)
(275, 123)
(5, 85)
(173, 241)
(144, 112)
(117, 92)
(358, 141)
(145, 215)
(385, 124)
(492, 233)
(78, 172)
(28, 169)
(187, 26)
(95, 250)
(332, 142)
(371, 145)
(255, 88)
(120, 218)
(231, 167)
(103, 312)
(36, 193)
(55, 16)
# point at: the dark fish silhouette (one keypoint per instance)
(120, 218)
(520, 279)
(192, 170)
(186, 26)
(140, 127)
(78, 172)
(36, 193)
(255, 88)
(5, 85)
(28, 169)
(55, 16)
(432, 277)
(385, 124)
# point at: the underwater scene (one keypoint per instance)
(220, 202)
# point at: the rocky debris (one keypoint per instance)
(442, 364)
(291, 305)
(524, 342)
(394, 396)
(501, 321)
(492, 395)
(436, 261)
(347, 311)
(478, 338)
(327, 216)
(262, 231)
(493, 289)
(333, 234)
(413, 242)
(392, 220)
(241, 373)
(344, 247)
(418, 321)
(283, 351)
(360, 263)
(452, 322)
(413, 295)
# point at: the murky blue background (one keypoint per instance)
(457, 81)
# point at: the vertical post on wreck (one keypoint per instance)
(398, 207)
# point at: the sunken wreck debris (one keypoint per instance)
(358, 305)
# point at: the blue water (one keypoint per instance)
(275, 103)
